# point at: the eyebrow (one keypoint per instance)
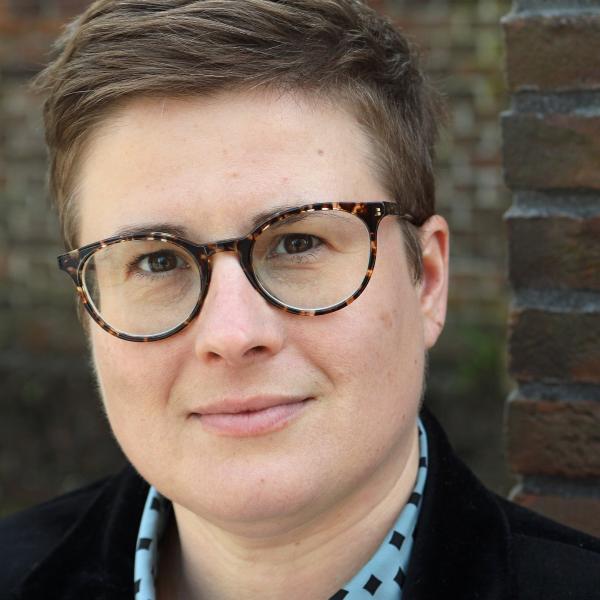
(153, 227)
(184, 232)
(265, 215)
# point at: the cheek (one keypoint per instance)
(372, 356)
(369, 348)
(134, 378)
(373, 351)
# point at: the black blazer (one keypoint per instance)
(470, 544)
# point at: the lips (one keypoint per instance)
(253, 416)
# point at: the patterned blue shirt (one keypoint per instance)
(381, 578)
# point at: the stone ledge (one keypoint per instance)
(530, 6)
(577, 392)
(579, 102)
(557, 301)
(575, 203)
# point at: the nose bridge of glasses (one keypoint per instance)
(223, 246)
(231, 245)
(239, 246)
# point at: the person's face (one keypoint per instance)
(354, 377)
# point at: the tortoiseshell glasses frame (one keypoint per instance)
(370, 213)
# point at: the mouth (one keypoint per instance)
(252, 417)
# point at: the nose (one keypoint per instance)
(236, 325)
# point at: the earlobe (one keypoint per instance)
(433, 289)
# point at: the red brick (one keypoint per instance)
(554, 345)
(551, 151)
(579, 512)
(558, 438)
(559, 251)
(550, 52)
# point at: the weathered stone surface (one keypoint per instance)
(552, 151)
(554, 251)
(547, 5)
(553, 51)
(554, 344)
(561, 102)
(553, 437)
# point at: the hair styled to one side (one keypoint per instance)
(338, 50)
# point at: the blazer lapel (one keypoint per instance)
(461, 547)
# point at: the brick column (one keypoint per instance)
(552, 165)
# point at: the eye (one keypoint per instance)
(296, 243)
(161, 262)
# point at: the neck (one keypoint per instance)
(309, 560)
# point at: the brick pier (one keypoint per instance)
(552, 165)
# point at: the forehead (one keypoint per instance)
(212, 164)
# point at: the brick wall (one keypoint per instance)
(552, 164)
(53, 435)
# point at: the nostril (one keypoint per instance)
(227, 350)
(213, 356)
(257, 350)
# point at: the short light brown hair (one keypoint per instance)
(340, 50)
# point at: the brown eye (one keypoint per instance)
(160, 262)
(297, 243)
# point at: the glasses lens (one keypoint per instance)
(143, 287)
(312, 260)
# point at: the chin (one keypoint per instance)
(255, 509)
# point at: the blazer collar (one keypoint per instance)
(462, 540)
(461, 547)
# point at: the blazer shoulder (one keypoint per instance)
(551, 561)
(26, 537)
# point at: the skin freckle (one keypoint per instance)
(390, 376)
(386, 319)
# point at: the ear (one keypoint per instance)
(433, 289)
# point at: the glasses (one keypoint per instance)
(310, 260)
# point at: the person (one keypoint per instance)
(247, 199)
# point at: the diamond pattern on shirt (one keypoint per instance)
(397, 540)
(372, 585)
(400, 577)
